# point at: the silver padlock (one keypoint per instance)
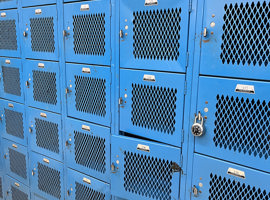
(197, 128)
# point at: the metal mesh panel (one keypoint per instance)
(157, 34)
(83, 192)
(14, 123)
(154, 108)
(44, 87)
(242, 125)
(42, 34)
(18, 194)
(8, 35)
(90, 95)
(1, 187)
(225, 188)
(47, 135)
(11, 80)
(148, 176)
(49, 180)
(246, 33)
(89, 34)
(17, 163)
(90, 151)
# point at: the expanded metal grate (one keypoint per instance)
(11, 80)
(83, 192)
(42, 34)
(246, 33)
(148, 176)
(225, 188)
(90, 151)
(47, 135)
(90, 95)
(14, 123)
(8, 35)
(17, 163)
(49, 180)
(243, 125)
(44, 87)
(18, 194)
(89, 34)
(157, 34)
(154, 108)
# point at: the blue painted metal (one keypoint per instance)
(45, 133)
(80, 186)
(88, 148)
(1, 186)
(87, 26)
(43, 85)
(27, 3)
(7, 4)
(15, 190)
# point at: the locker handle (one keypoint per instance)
(10, 105)
(27, 83)
(86, 180)
(3, 14)
(24, 34)
(86, 128)
(7, 62)
(17, 184)
(46, 160)
(84, 7)
(205, 32)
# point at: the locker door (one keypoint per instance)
(40, 32)
(236, 42)
(26, 3)
(154, 36)
(16, 161)
(42, 85)
(15, 190)
(88, 93)
(237, 127)
(45, 133)
(11, 79)
(83, 187)
(220, 180)
(87, 26)
(7, 4)
(47, 177)
(88, 149)
(9, 40)
(144, 170)
(13, 123)
(152, 105)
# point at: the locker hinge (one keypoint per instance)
(187, 62)
(110, 10)
(181, 160)
(185, 89)
(176, 167)
(190, 6)
(183, 136)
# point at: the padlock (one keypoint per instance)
(197, 128)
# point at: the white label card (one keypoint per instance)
(151, 2)
(250, 89)
(236, 172)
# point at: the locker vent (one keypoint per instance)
(246, 33)
(17, 163)
(14, 123)
(18, 194)
(1, 188)
(242, 125)
(225, 188)
(47, 136)
(8, 35)
(90, 95)
(156, 34)
(49, 180)
(42, 34)
(154, 108)
(44, 87)
(148, 176)
(89, 34)
(11, 80)
(82, 192)
(90, 151)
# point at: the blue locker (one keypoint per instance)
(87, 31)
(45, 133)
(15, 190)
(235, 39)
(47, 178)
(16, 161)
(81, 187)
(26, 3)
(88, 148)
(11, 79)
(7, 4)
(88, 93)
(144, 170)
(154, 36)
(9, 40)
(237, 125)
(215, 179)
(152, 105)
(13, 123)
(42, 85)
(40, 32)
(1, 187)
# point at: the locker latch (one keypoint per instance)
(121, 34)
(24, 34)
(68, 91)
(195, 191)
(65, 33)
(27, 83)
(175, 167)
(197, 128)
